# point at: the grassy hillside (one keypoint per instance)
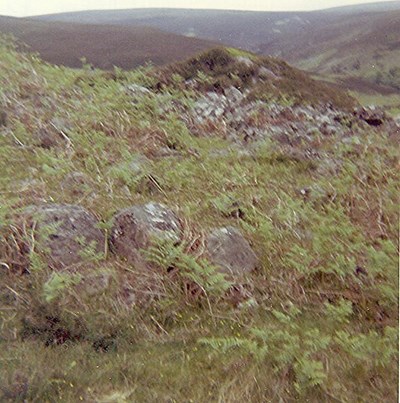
(102, 46)
(313, 187)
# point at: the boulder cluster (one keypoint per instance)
(69, 236)
(242, 120)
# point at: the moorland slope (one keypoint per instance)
(220, 229)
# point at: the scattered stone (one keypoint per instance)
(235, 117)
(132, 169)
(138, 163)
(328, 130)
(263, 72)
(305, 193)
(64, 233)
(49, 138)
(233, 93)
(77, 183)
(46, 139)
(245, 60)
(137, 90)
(229, 250)
(165, 152)
(135, 227)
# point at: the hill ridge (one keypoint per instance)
(104, 46)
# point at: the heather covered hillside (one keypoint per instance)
(220, 229)
(103, 46)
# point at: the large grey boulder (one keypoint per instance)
(66, 234)
(134, 228)
(227, 249)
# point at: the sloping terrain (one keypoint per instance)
(223, 229)
(102, 46)
(246, 29)
(364, 47)
(357, 47)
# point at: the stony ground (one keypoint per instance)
(224, 229)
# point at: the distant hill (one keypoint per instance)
(103, 46)
(357, 46)
(362, 51)
(247, 29)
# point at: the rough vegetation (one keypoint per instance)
(266, 230)
(264, 78)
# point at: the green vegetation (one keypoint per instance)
(318, 320)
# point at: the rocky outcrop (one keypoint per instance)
(66, 234)
(245, 121)
(227, 249)
(134, 228)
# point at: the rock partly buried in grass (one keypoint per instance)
(51, 136)
(134, 228)
(132, 170)
(227, 249)
(76, 183)
(66, 234)
(47, 139)
(137, 90)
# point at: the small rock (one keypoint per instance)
(305, 192)
(165, 152)
(229, 250)
(233, 94)
(267, 73)
(64, 233)
(245, 60)
(135, 89)
(134, 227)
(328, 130)
(47, 139)
(131, 169)
(137, 164)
